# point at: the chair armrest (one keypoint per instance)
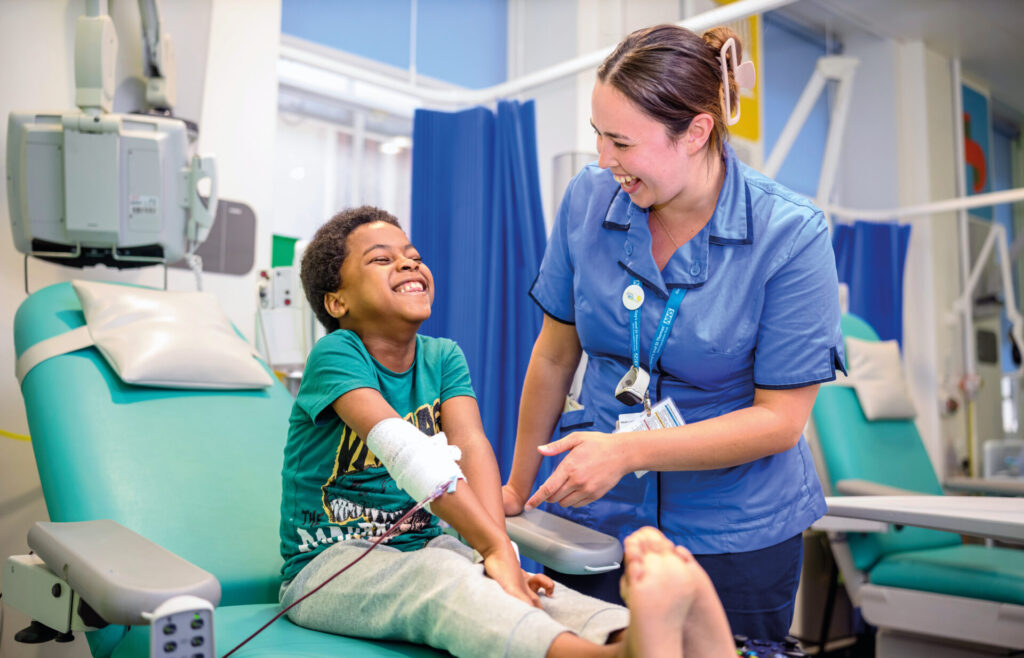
(1007, 487)
(121, 574)
(834, 524)
(854, 487)
(563, 545)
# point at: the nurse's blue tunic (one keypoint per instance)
(761, 311)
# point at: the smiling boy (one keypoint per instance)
(370, 290)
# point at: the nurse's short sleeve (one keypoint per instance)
(552, 289)
(799, 340)
(337, 364)
(455, 380)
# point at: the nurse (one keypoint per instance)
(691, 281)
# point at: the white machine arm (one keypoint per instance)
(161, 91)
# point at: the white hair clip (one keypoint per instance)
(743, 73)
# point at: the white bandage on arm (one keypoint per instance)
(419, 464)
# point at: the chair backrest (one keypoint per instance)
(888, 452)
(198, 472)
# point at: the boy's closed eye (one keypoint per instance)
(385, 255)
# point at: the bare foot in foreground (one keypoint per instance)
(673, 605)
(658, 589)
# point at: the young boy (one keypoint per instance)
(368, 287)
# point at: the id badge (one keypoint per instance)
(663, 415)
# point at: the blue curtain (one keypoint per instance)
(478, 223)
(869, 259)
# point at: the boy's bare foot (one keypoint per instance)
(658, 587)
(673, 605)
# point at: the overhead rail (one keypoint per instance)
(934, 207)
(468, 97)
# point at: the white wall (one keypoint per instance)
(541, 34)
(226, 53)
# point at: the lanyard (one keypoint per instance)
(667, 319)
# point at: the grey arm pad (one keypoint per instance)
(854, 487)
(563, 545)
(120, 573)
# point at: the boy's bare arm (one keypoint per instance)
(362, 408)
(463, 427)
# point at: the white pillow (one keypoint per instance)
(168, 339)
(876, 374)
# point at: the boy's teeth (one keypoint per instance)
(624, 180)
(412, 286)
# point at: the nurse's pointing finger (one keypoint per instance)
(560, 446)
(546, 490)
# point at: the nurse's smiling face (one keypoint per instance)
(649, 165)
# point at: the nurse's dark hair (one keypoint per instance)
(672, 75)
(322, 259)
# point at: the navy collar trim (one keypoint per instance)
(714, 239)
(688, 286)
(647, 282)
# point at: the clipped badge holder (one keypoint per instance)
(633, 386)
(662, 415)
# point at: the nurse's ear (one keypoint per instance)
(698, 133)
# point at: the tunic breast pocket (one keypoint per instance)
(574, 421)
(727, 325)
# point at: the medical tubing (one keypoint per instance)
(442, 488)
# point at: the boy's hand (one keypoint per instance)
(512, 500)
(538, 581)
(503, 567)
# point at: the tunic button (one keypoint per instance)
(695, 269)
(629, 249)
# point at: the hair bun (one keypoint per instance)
(717, 36)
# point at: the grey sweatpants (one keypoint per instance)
(437, 596)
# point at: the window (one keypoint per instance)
(339, 144)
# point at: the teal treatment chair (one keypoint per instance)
(927, 592)
(197, 472)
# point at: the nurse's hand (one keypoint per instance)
(593, 466)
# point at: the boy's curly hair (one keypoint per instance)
(322, 259)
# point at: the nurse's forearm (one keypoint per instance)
(766, 428)
(540, 407)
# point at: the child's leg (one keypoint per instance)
(434, 596)
(591, 619)
(660, 571)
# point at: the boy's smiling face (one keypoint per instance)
(382, 280)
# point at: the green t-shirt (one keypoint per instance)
(333, 487)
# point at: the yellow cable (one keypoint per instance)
(16, 437)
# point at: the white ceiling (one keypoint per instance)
(987, 35)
